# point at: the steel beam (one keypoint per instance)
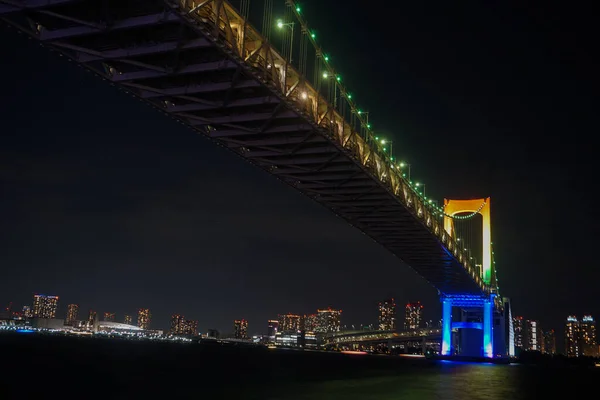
(129, 23)
(189, 69)
(209, 87)
(253, 101)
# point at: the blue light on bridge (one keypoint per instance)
(25, 331)
(446, 327)
(488, 347)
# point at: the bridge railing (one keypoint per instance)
(341, 123)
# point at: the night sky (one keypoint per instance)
(114, 206)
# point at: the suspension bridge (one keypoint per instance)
(285, 109)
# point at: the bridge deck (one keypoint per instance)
(210, 70)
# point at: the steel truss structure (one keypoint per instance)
(203, 64)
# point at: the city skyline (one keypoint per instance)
(528, 334)
(106, 196)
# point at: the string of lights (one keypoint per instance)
(363, 119)
(382, 146)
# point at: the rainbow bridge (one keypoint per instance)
(286, 110)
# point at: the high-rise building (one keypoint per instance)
(240, 329)
(27, 312)
(109, 316)
(177, 322)
(272, 327)
(387, 315)
(328, 320)
(92, 315)
(128, 319)
(190, 327)
(72, 311)
(413, 316)
(310, 322)
(549, 342)
(143, 318)
(289, 322)
(527, 335)
(572, 336)
(588, 344)
(519, 331)
(182, 326)
(44, 306)
(532, 336)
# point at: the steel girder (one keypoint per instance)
(225, 84)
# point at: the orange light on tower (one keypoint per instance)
(479, 206)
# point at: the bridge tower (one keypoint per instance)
(480, 330)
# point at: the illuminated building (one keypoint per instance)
(289, 322)
(72, 311)
(310, 322)
(128, 319)
(588, 344)
(182, 326)
(109, 316)
(272, 328)
(549, 342)
(92, 321)
(240, 329)
(387, 315)
(143, 319)
(328, 320)
(532, 336)
(92, 316)
(27, 312)
(519, 331)
(572, 336)
(287, 339)
(190, 327)
(44, 306)
(413, 316)
(176, 324)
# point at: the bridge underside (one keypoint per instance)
(151, 50)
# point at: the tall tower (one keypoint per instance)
(588, 344)
(549, 342)
(272, 327)
(479, 206)
(533, 335)
(143, 319)
(177, 324)
(44, 306)
(413, 316)
(572, 336)
(519, 332)
(72, 311)
(240, 329)
(387, 315)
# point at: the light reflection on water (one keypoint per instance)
(452, 380)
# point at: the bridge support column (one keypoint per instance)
(446, 348)
(488, 324)
(476, 328)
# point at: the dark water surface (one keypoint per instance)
(60, 367)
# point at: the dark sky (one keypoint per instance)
(113, 206)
